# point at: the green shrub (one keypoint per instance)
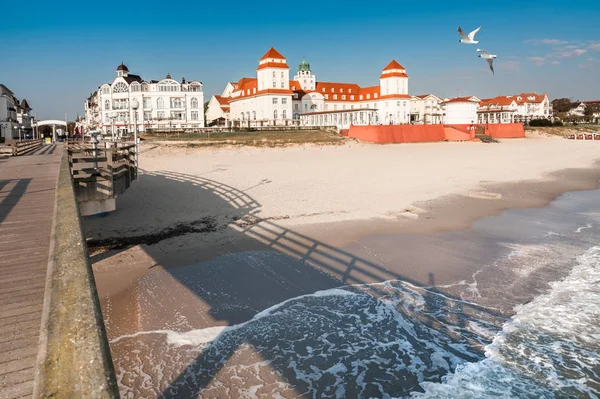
(540, 122)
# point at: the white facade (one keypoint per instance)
(15, 121)
(518, 108)
(426, 109)
(162, 104)
(461, 110)
(273, 99)
(218, 108)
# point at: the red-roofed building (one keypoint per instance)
(272, 98)
(517, 108)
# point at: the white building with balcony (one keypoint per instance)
(426, 109)
(15, 121)
(522, 107)
(272, 98)
(162, 104)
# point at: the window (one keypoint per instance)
(344, 97)
(160, 115)
(332, 90)
(147, 116)
(326, 96)
(242, 116)
(135, 87)
(275, 101)
(254, 115)
(106, 118)
(284, 114)
(295, 95)
(273, 74)
(106, 90)
(274, 83)
(368, 96)
(275, 114)
(195, 87)
(295, 107)
(305, 107)
(176, 102)
(106, 104)
(335, 96)
(194, 102)
(147, 103)
(160, 103)
(341, 90)
(194, 115)
(397, 103)
(284, 100)
(283, 85)
(326, 107)
(375, 95)
(281, 74)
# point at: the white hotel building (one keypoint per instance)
(272, 98)
(162, 104)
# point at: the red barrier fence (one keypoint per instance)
(382, 134)
(397, 133)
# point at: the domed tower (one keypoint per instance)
(122, 70)
(304, 76)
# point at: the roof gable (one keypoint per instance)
(272, 53)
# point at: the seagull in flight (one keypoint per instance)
(488, 57)
(470, 38)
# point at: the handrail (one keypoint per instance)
(76, 360)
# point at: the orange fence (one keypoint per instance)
(397, 133)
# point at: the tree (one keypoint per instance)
(562, 104)
(205, 108)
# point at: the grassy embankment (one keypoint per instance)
(247, 138)
(564, 130)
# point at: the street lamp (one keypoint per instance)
(113, 116)
(134, 106)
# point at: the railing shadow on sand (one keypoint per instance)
(313, 265)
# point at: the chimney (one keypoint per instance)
(182, 80)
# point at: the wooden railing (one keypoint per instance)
(101, 174)
(20, 147)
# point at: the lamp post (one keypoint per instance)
(113, 116)
(134, 106)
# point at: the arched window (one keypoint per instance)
(254, 115)
(275, 114)
(248, 115)
(120, 87)
(273, 74)
(284, 114)
(160, 103)
(242, 116)
(194, 102)
(106, 104)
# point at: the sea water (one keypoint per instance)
(397, 339)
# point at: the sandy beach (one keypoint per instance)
(209, 238)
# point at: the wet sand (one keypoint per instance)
(241, 264)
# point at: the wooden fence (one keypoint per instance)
(20, 147)
(101, 173)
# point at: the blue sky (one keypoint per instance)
(56, 53)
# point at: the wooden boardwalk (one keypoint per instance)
(27, 195)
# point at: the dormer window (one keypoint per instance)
(351, 97)
(349, 90)
(375, 95)
(335, 96)
(332, 90)
(343, 97)
(360, 97)
(368, 96)
(326, 96)
(341, 90)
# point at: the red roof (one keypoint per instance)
(222, 100)
(393, 65)
(282, 65)
(295, 85)
(272, 53)
(460, 100)
(497, 101)
(537, 98)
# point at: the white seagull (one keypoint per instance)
(470, 38)
(488, 57)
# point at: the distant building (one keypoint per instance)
(217, 112)
(426, 108)
(517, 108)
(163, 104)
(460, 110)
(272, 98)
(15, 120)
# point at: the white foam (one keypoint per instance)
(553, 336)
(581, 228)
